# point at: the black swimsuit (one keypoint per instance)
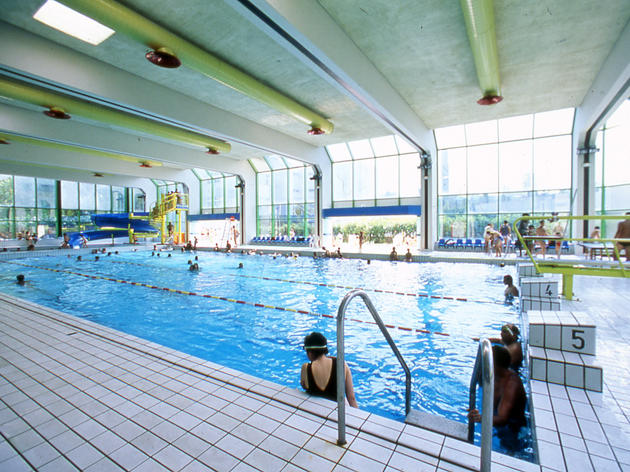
(330, 391)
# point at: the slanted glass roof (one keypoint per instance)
(274, 162)
(369, 148)
(205, 174)
(537, 125)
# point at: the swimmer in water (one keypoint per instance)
(20, 280)
(511, 291)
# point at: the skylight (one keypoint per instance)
(72, 22)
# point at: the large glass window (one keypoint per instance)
(87, 194)
(612, 168)
(218, 191)
(46, 193)
(30, 204)
(118, 199)
(498, 169)
(24, 191)
(286, 197)
(103, 198)
(376, 171)
(69, 195)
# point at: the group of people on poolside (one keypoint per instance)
(393, 256)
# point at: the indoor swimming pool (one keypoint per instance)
(254, 318)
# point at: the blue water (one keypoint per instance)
(267, 342)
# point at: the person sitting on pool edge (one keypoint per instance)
(393, 256)
(408, 256)
(319, 376)
(511, 291)
(509, 394)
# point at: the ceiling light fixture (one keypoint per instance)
(316, 131)
(57, 113)
(163, 57)
(96, 174)
(212, 150)
(490, 100)
(72, 23)
(4, 141)
(145, 164)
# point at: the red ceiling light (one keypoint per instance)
(57, 113)
(145, 164)
(315, 131)
(163, 57)
(97, 174)
(490, 100)
(4, 141)
(212, 150)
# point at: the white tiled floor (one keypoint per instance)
(76, 395)
(588, 431)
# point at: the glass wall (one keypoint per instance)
(219, 193)
(496, 170)
(285, 194)
(612, 168)
(30, 204)
(374, 172)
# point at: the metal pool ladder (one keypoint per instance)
(483, 374)
(341, 378)
(428, 421)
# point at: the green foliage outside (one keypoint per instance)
(376, 232)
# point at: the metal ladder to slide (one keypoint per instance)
(482, 374)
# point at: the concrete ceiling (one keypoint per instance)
(373, 67)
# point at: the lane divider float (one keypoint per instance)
(345, 287)
(225, 299)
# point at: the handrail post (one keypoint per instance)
(483, 374)
(341, 378)
(341, 374)
(487, 409)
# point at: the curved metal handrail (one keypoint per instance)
(341, 378)
(483, 374)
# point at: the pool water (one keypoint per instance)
(266, 341)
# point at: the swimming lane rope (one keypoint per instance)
(216, 297)
(321, 284)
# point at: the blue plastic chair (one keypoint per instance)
(468, 244)
(478, 244)
(441, 243)
(459, 243)
(565, 246)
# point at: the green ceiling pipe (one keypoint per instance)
(19, 138)
(45, 98)
(479, 18)
(126, 21)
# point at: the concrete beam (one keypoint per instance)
(39, 57)
(327, 50)
(30, 123)
(609, 89)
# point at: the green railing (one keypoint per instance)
(570, 267)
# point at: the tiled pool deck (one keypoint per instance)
(75, 395)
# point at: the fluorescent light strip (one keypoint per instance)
(73, 23)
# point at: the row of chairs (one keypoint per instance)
(283, 240)
(461, 243)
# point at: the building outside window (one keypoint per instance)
(497, 170)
